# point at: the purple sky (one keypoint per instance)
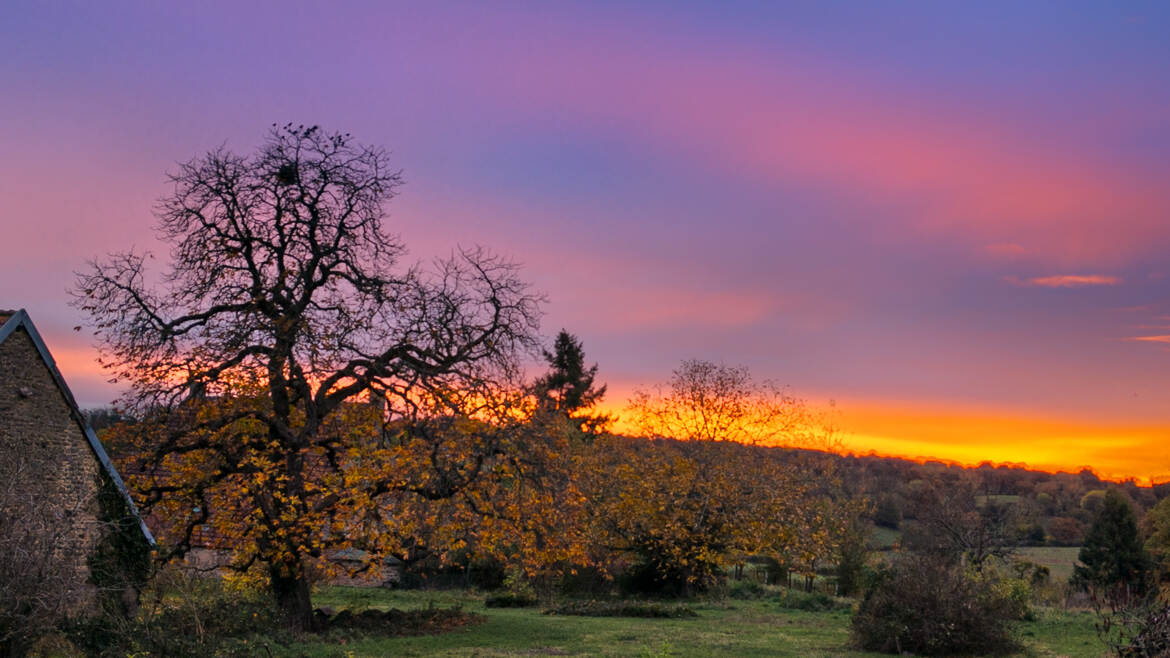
(921, 210)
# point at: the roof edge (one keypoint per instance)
(21, 319)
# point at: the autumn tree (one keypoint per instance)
(568, 389)
(704, 488)
(705, 401)
(286, 304)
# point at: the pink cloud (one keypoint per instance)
(763, 116)
(1151, 339)
(1066, 280)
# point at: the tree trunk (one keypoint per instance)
(291, 588)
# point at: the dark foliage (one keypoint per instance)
(1112, 556)
(887, 514)
(122, 561)
(510, 600)
(187, 615)
(663, 577)
(568, 388)
(927, 606)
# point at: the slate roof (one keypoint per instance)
(10, 321)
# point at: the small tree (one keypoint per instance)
(951, 522)
(1156, 528)
(1112, 559)
(285, 305)
(706, 402)
(694, 494)
(568, 389)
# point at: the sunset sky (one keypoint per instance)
(953, 219)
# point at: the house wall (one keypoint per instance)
(46, 462)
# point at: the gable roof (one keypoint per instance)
(10, 321)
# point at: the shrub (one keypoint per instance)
(748, 589)
(811, 602)
(928, 607)
(510, 600)
(1141, 628)
(183, 615)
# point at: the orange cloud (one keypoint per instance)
(1151, 339)
(1067, 280)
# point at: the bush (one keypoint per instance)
(928, 607)
(510, 600)
(810, 602)
(182, 615)
(748, 590)
(1141, 628)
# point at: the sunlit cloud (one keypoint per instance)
(1162, 338)
(970, 436)
(1066, 280)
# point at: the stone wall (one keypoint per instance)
(46, 460)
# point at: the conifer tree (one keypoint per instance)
(1112, 555)
(568, 388)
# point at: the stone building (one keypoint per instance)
(65, 515)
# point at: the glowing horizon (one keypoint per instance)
(953, 220)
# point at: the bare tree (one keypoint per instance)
(285, 302)
(953, 521)
(37, 531)
(705, 401)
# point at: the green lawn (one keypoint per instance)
(723, 627)
(883, 539)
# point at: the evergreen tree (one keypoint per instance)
(1112, 555)
(568, 389)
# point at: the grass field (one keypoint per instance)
(883, 539)
(1058, 559)
(723, 627)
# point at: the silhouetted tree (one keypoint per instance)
(285, 301)
(1112, 556)
(568, 388)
